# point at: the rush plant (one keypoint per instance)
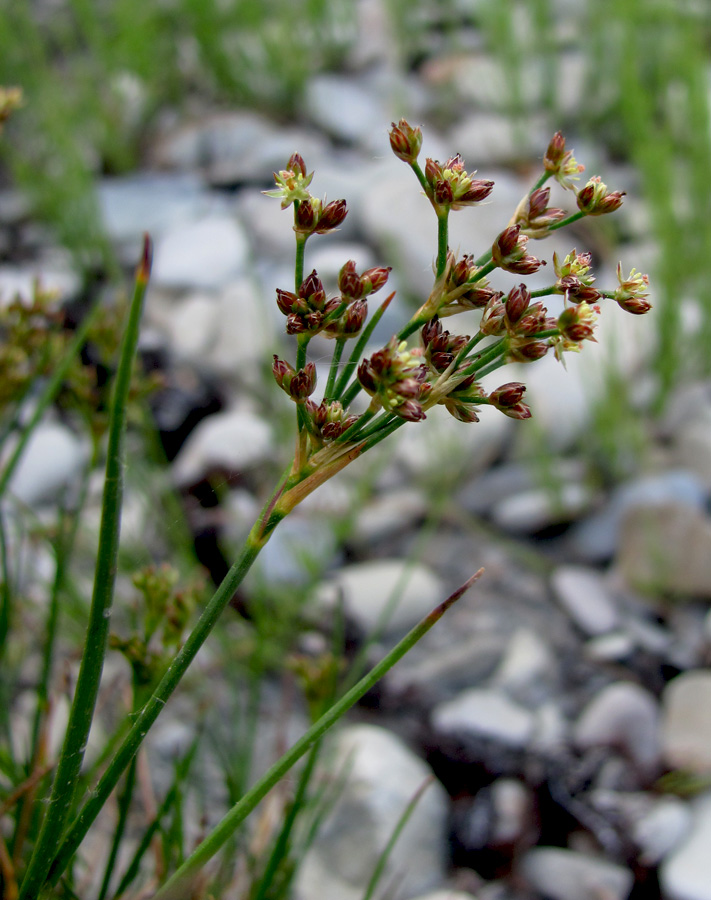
(369, 394)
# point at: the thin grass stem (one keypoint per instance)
(177, 887)
(92, 661)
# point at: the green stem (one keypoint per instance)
(442, 241)
(392, 840)
(544, 292)
(383, 419)
(333, 371)
(50, 392)
(124, 806)
(349, 368)
(92, 661)
(421, 177)
(487, 266)
(282, 842)
(299, 260)
(568, 220)
(384, 433)
(256, 539)
(177, 887)
(541, 181)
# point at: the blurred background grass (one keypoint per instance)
(97, 75)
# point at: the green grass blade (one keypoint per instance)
(82, 711)
(177, 886)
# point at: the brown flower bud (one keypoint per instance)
(286, 301)
(405, 141)
(303, 383)
(373, 279)
(638, 306)
(493, 319)
(410, 410)
(517, 302)
(443, 194)
(331, 216)
(349, 282)
(433, 172)
(296, 165)
(595, 200)
(307, 215)
(507, 395)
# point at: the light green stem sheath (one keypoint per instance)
(442, 241)
(178, 887)
(299, 261)
(48, 395)
(92, 661)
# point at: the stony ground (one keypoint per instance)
(552, 700)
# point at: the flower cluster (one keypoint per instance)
(395, 376)
(444, 368)
(451, 187)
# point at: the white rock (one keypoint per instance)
(343, 107)
(661, 829)
(536, 509)
(245, 337)
(390, 594)
(383, 775)
(485, 713)
(692, 449)
(528, 661)
(686, 722)
(152, 202)
(58, 278)
(584, 596)
(234, 440)
(624, 716)
(667, 548)
(193, 327)
(51, 462)
(492, 138)
(388, 514)
(569, 875)
(615, 645)
(446, 895)
(686, 873)
(441, 441)
(206, 253)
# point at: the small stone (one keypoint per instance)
(623, 716)
(570, 875)
(686, 873)
(527, 666)
(391, 594)
(386, 515)
(661, 829)
(692, 449)
(615, 646)
(686, 722)
(667, 548)
(233, 441)
(597, 537)
(343, 108)
(493, 138)
(583, 595)
(537, 509)
(51, 462)
(487, 713)
(206, 253)
(381, 777)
